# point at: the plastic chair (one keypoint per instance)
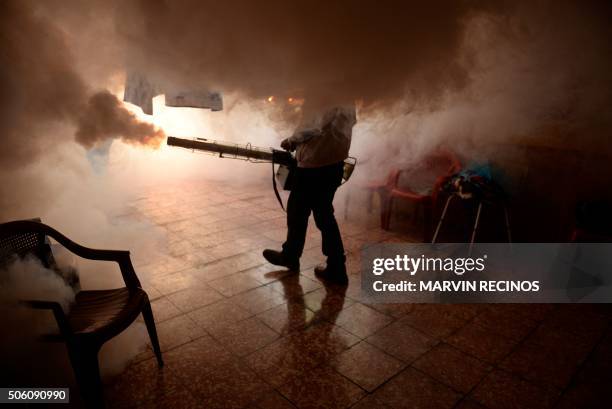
(401, 185)
(96, 316)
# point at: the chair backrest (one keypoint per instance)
(442, 161)
(18, 245)
(422, 177)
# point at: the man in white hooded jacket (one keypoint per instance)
(322, 144)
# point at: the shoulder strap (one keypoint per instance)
(280, 201)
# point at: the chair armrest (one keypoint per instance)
(56, 308)
(121, 257)
(127, 270)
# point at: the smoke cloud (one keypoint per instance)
(28, 280)
(44, 90)
(27, 359)
(322, 50)
(106, 116)
(415, 57)
(539, 77)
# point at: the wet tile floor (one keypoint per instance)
(237, 332)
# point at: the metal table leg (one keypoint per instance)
(507, 224)
(475, 227)
(435, 236)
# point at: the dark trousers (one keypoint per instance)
(313, 191)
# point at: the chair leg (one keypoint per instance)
(87, 372)
(385, 212)
(147, 314)
(427, 219)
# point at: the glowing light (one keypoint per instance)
(290, 100)
(182, 122)
(271, 98)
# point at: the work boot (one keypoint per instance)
(333, 274)
(279, 259)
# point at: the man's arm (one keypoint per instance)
(299, 137)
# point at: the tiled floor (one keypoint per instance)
(240, 333)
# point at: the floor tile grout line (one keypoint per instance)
(495, 366)
(583, 363)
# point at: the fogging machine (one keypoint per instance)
(284, 159)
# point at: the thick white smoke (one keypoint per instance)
(27, 358)
(22, 355)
